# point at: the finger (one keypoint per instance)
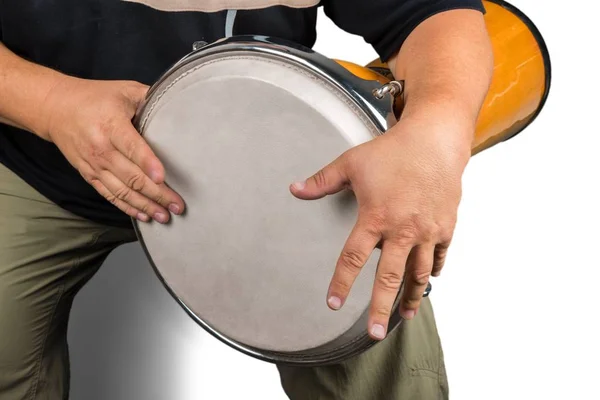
(136, 93)
(328, 180)
(121, 205)
(439, 258)
(354, 255)
(132, 176)
(122, 192)
(418, 270)
(131, 144)
(388, 279)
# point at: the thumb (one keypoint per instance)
(329, 180)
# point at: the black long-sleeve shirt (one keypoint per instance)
(139, 39)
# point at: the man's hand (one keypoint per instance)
(408, 181)
(408, 188)
(91, 123)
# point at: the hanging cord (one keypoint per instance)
(229, 22)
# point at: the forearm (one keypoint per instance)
(447, 66)
(24, 87)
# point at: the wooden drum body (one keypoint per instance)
(521, 78)
(235, 122)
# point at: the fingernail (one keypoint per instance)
(299, 185)
(143, 217)
(174, 208)
(335, 302)
(378, 331)
(160, 217)
(408, 314)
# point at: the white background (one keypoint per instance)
(516, 303)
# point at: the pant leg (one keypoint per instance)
(408, 365)
(46, 255)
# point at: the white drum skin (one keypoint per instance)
(249, 261)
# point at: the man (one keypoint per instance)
(74, 169)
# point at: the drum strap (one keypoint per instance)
(229, 21)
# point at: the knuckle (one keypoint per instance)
(372, 230)
(131, 211)
(89, 176)
(417, 226)
(100, 131)
(382, 311)
(123, 193)
(390, 281)
(341, 286)
(112, 123)
(132, 145)
(320, 179)
(136, 182)
(443, 246)
(411, 303)
(112, 198)
(429, 231)
(99, 147)
(446, 236)
(146, 208)
(425, 229)
(127, 209)
(413, 230)
(160, 198)
(130, 148)
(420, 277)
(96, 184)
(438, 264)
(352, 260)
(375, 221)
(111, 154)
(439, 256)
(407, 235)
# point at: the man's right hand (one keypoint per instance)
(91, 123)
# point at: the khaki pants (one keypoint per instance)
(47, 254)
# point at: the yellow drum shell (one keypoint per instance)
(520, 82)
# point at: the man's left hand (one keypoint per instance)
(408, 187)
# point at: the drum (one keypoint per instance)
(235, 122)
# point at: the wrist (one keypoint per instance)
(24, 87)
(443, 116)
(54, 96)
(439, 130)
(453, 105)
(49, 103)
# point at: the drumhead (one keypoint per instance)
(248, 260)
